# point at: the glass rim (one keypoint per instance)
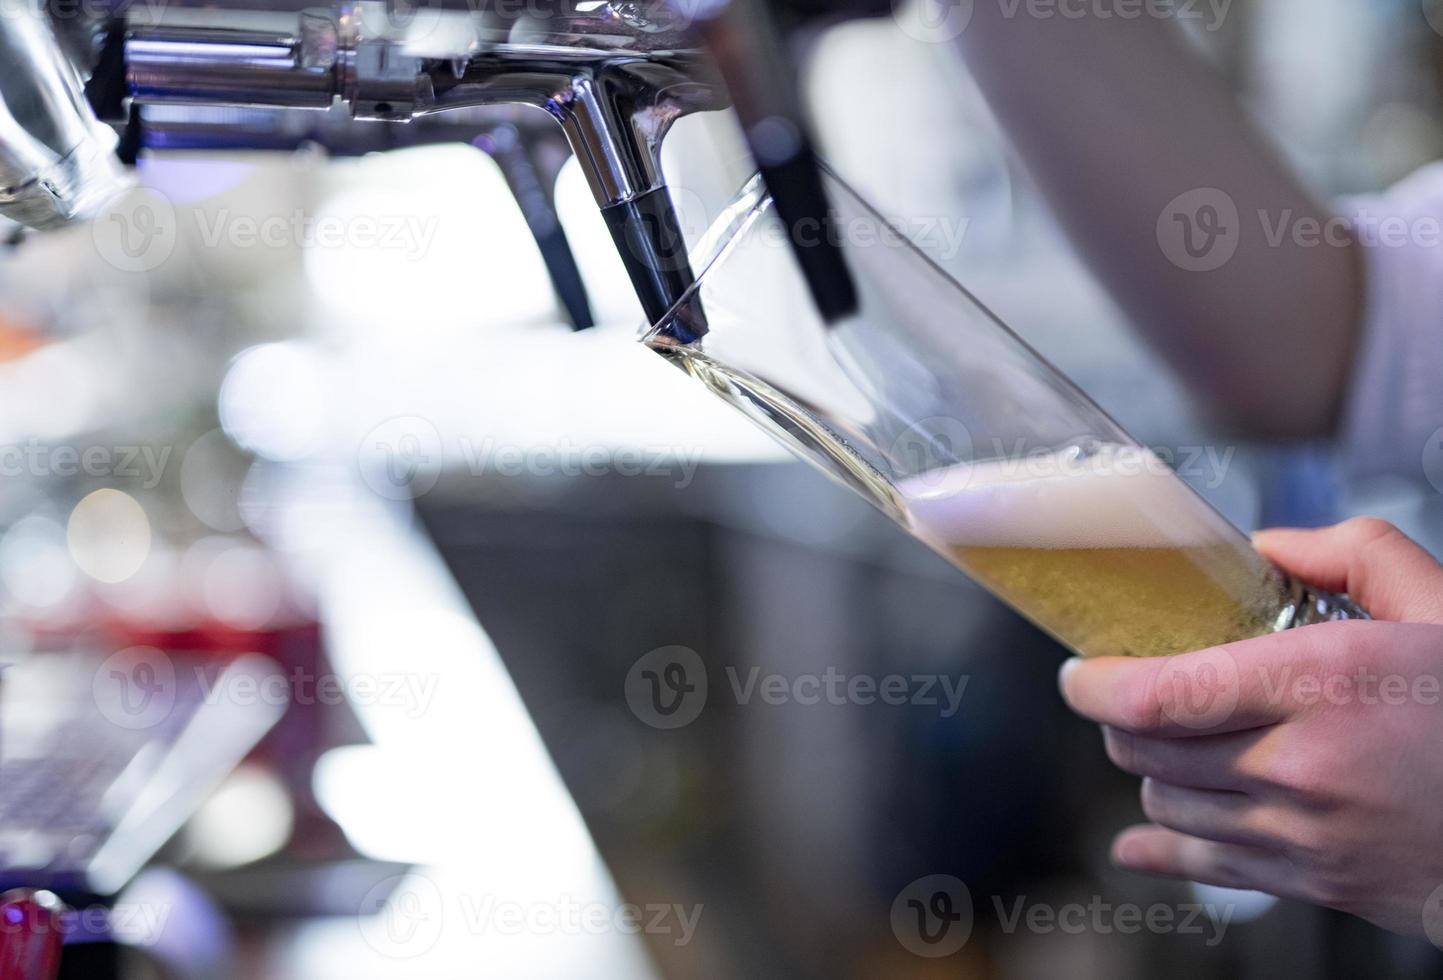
(737, 218)
(753, 202)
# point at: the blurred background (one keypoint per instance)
(330, 459)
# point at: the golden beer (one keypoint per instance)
(1110, 553)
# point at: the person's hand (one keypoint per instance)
(1307, 764)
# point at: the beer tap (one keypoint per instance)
(56, 159)
(615, 74)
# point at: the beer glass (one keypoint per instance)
(925, 404)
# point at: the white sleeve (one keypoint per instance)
(1394, 407)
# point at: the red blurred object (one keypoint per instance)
(32, 930)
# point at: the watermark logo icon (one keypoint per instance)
(933, 21)
(1201, 690)
(1433, 13)
(1433, 460)
(402, 916)
(400, 459)
(932, 917)
(137, 230)
(667, 688)
(135, 688)
(928, 448)
(413, 20)
(1433, 917)
(1200, 231)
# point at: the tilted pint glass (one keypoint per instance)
(929, 407)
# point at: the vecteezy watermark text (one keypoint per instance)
(138, 687)
(568, 459)
(402, 458)
(144, 464)
(832, 687)
(934, 448)
(1361, 686)
(409, 234)
(939, 21)
(934, 917)
(568, 917)
(1206, 466)
(668, 688)
(1202, 229)
(84, 11)
(1100, 917)
(137, 923)
(412, 693)
(139, 230)
(939, 235)
(1209, 14)
(1204, 690)
(405, 916)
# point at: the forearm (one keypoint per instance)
(1117, 118)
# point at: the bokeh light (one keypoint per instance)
(109, 535)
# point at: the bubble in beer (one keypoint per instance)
(1108, 550)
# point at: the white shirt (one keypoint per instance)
(1393, 419)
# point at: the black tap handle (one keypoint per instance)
(743, 38)
(653, 249)
(801, 201)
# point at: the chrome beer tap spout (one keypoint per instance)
(615, 75)
(56, 159)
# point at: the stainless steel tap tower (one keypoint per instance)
(615, 74)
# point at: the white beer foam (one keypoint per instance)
(1117, 497)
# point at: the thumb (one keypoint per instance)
(1379, 566)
